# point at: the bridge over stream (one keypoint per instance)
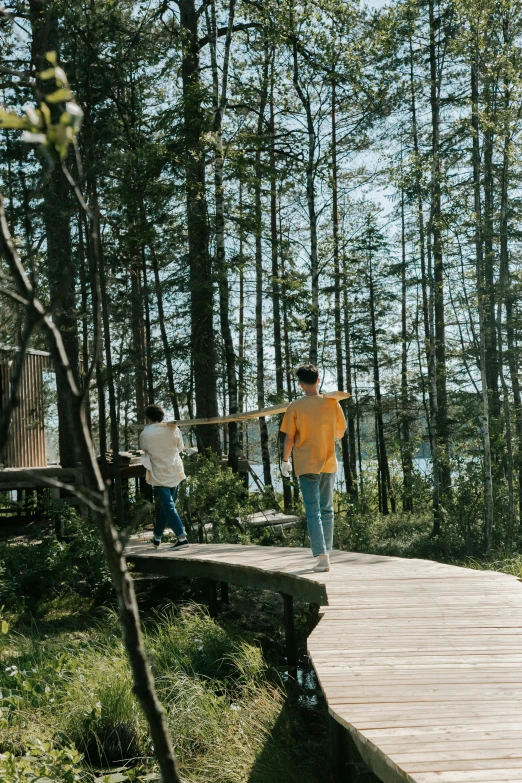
(419, 661)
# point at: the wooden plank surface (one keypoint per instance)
(273, 410)
(420, 661)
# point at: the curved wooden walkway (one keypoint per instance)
(420, 661)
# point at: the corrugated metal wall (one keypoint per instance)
(26, 446)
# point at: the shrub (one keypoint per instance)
(32, 570)
(43, 762)
(213, 495)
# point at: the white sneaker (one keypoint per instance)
(323, 563)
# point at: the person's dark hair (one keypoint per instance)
(154, 412)
(307, 373)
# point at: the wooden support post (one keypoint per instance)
(224, 593)
(212, 597)
(337, 750)
(291, 643)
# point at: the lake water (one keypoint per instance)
(422, 465)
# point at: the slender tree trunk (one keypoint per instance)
(113, 408)
(358, 430)
(138, 359)
(276, 290)
(442, 485)
(97, 273)
(351, 405)
(312, 209)
(276, 295)
(286, 324)
(510, 522)
(85, 321)
(479, 259)
(100, 305)
(163, 332)
(56, 212)
(220, 102)
(260, 356)
(148, 330)
(241, 354)
(514, 363)
(425, 278)
(286, 340)
(491, 333)
(382, 458)
(347, 462)
(200, 271)
(405, 418)
(506, 294)
(100, 374)
(241, 326)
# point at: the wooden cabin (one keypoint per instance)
(26, 445)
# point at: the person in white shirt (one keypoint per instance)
(162, 444)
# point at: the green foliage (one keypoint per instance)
(73, 692)
(213, 495)
(500, 560)
(190, 643)
(43, 762)
(46, 568)
(53, 138)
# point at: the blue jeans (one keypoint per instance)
(317, 489)
(167, 514)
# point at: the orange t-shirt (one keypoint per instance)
(313, 421)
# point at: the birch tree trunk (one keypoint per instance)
(148, 330)
(276, 294)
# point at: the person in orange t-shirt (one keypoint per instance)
(311, 425)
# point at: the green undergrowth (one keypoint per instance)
(67, 710)
(506, 562)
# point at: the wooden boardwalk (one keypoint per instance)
(420, 661)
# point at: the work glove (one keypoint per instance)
(286, 469)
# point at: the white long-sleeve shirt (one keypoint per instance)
(162, 444)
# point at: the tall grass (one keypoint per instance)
(504, 561)
(224, 709)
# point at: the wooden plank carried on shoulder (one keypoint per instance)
(257, 414)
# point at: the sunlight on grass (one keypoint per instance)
(74, 690)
